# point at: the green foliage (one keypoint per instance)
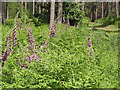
(65, 62)
(9, 22)
(13, 8)
(108, 20)
(36, 21)
(72, 10)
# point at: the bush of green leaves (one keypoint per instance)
(65, 62)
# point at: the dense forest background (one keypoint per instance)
(71, 12)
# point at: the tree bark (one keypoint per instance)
(33, 7)
(96, 13)
(0, 12)
(52, 13)
(0, 28)
(3, 12)
(109, 8)
(39, 8)
(7, 10)
(22, 6)
(25, 5)
(83, 5)
(102, 9)
(117, 10)
(60, 12)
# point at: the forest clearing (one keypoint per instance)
(59, 44)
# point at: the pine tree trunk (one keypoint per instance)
(42, 10)
(117, 11)
(22, 6)
(39, 8)
(96, 13)
(91, 16)
(109, 8)
(60, 12)
(3, 12)
(0, 12)
(33, 7)
(25, 5)
(83, 5)
(52, 13)
(102, 9)
(0, 29)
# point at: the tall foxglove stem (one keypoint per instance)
(52, 32)
(14, 37)
(90, 44)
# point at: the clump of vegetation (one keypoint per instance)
(60, 55)
(64, 61)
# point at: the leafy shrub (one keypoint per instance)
(36, 21)
(65, 61)
(9, 22)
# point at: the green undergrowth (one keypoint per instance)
(65, 62)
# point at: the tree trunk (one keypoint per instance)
(117, 10)
(7, 10)
(39, 8)
(102, 9)
(91, 16)
(83, 5)
(0, 29)
(22, 6)
(3, 12)
(52, 13)
(109, 8)
(33, 7)
(42, 9)
(0, 12)
(25, 5)
(96, 13)
(60, 12)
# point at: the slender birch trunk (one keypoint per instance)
(96, 14)
(102, 9)
(60, 12)
(117, 10)
(33, 7)
(52, 13)
(25, 5)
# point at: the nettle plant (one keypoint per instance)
(21, 45)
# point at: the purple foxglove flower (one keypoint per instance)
(29, 59)
(52, 32)
(35, 56)
(8, 51)
(8, 38)
(6, 55)
(26, 66)
(7, 41)
(14, 37)
(4, 58)
(38, 60)
(89, 42)
(32, 40)
(89, 45)
(17, 24)
(21, 66)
